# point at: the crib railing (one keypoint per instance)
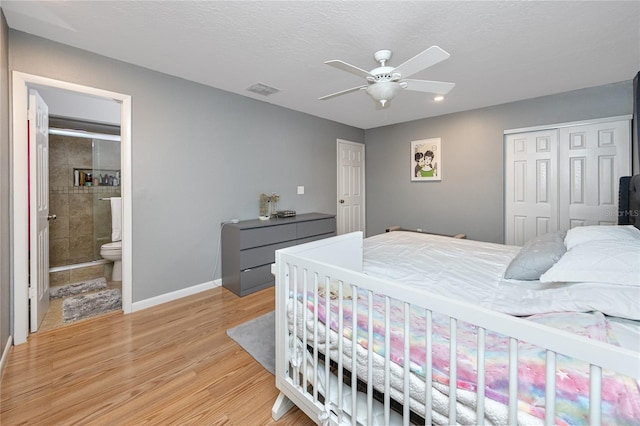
(315, 351)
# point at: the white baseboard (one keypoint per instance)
(175, 295)
(5, 355)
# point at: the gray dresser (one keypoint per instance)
(248, 247)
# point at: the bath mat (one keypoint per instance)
(87, 305)
(72, 289)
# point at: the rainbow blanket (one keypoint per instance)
(620, 395)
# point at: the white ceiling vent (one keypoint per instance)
(263, 89)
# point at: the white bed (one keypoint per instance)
(433, 285)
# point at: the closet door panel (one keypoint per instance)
(531, 198)
(592, 158)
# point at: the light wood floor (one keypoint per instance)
(170, 364)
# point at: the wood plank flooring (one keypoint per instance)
(167, 365)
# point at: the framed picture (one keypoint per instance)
(426, 160)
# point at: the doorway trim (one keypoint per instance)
(19, 193)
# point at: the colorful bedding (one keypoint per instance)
(621, 395)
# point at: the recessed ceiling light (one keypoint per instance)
(438, 98)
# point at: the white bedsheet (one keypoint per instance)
(473, 271)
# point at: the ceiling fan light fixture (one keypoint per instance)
(384, 91)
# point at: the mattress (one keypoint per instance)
(473, 271)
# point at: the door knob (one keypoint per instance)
(52, 217)
(341, 201)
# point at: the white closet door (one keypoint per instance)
(531, 190)
(593, 157)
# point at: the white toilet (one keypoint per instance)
(113, 251)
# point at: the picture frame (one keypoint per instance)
(426, 160)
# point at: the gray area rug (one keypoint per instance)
(57, 292)
(87, 305)
(258, 338)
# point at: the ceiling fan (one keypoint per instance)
(385, 82)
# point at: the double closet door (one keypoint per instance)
(564, 176)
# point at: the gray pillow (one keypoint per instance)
(537, 256)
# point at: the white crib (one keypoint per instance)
(313, 363)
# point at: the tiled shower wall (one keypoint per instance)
(83, 222)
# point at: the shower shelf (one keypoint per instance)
(110, 177)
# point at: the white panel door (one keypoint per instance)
(531, 192)
(39, 209)
(351, 203)
(594, 157)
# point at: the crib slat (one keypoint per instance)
(550, 390)
(480, 378)
(407, 363)
(354, 377)
(304, 360)
(294, 349)
(453, 365)
(327, 360)
(428, 374)
(315, 337)
(387, 359)
(340, 345)
(595, 394)
(513, 381)
(370, 356)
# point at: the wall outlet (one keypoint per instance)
(419, 229)
(300, 190)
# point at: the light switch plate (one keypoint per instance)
(300, 190)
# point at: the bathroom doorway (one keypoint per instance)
(20, 158)
(84, 176)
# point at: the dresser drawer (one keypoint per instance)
(261, 255)
(255, 237)
(316, 227)
(255, 278)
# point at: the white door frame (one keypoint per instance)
(19, 193)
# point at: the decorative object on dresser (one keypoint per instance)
(248, 247)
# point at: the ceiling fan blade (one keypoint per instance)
(439, 87)
(341, 65)
(422, 60)
(343, 92)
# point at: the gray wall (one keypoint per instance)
(469, 198)
(5, 300)
(200, 156)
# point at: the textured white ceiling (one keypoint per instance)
(500, 51)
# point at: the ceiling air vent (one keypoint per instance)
(263, 89)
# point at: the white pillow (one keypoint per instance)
(583, 234)
(604, 261)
